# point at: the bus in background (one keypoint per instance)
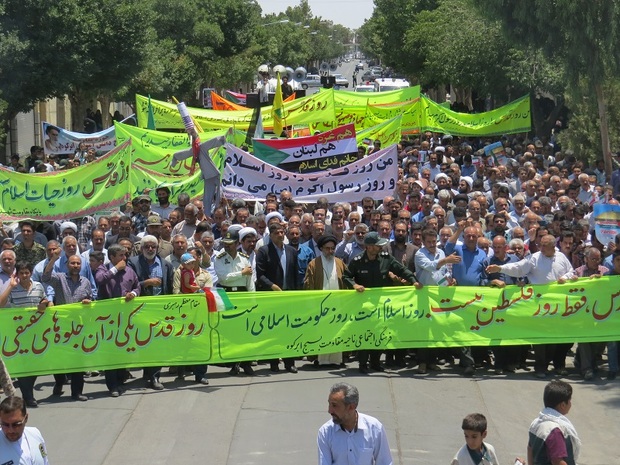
(385, 84)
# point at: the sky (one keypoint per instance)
(349, 13)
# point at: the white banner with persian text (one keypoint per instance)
(247, 177)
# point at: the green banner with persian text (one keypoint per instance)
(512, 118)
(388, 132)
(101, 185)
(153, 150)
(314, 108)
(178, 330)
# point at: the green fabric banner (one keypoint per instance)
(174, 330)
(345, 98)
(329, 109)
(153, 150)
(511, 118)
(101, 185)
(316, 107)
(388, 132)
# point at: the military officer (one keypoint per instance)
(234, 274)
(233, 268)
(376, 268)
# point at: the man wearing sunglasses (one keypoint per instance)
(19, 443)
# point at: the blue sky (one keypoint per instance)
(349, 13)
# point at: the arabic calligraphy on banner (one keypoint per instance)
(61, 141)
(176, 330)
(331, 149)
(316, 107)
(247, 177)
(509, 119)
(153, 150)
(90, 188)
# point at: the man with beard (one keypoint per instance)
(347, 251)
(400, 249)
(156, 277)
(276, 270)
(376, 268)
(140, 216)
(326, 272)
(164, 207)
(293, 233)
(351, 436)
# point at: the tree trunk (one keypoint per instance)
(80, 101)
(105, 101)
(602, 114)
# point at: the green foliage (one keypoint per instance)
(583, 133)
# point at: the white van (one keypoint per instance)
(385, 84)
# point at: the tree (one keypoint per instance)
(584, 33)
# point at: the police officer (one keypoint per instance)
(234, 274)
(376, 268)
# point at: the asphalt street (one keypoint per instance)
(273, 418)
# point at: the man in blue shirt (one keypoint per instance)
(468, 272)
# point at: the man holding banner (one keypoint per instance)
(375, 268)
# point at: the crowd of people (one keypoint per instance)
(457, 218)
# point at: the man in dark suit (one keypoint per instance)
(155, 277)
(276, 270)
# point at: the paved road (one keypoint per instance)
(272, 419)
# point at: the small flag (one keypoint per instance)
(217, 300)
(150, 122)
(278, 108)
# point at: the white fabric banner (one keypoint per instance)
(60, 141)
(247, 177)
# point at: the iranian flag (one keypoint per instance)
(217, 300)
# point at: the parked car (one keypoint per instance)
(364, 88)
(341, 80)
(312, 80)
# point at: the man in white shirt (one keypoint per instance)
(350, 436)
(544, 267)
(19, 443)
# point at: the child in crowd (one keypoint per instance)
(552, 436)
(475, 451)
(188, 277)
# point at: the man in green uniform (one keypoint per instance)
(376, 268)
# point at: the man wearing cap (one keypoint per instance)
(326, 272)
(155, 275)
(376, 268)
(140, 216)
(235, 274)
(276, 270)
(233, 268)
(163, 207)
(153, 228)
